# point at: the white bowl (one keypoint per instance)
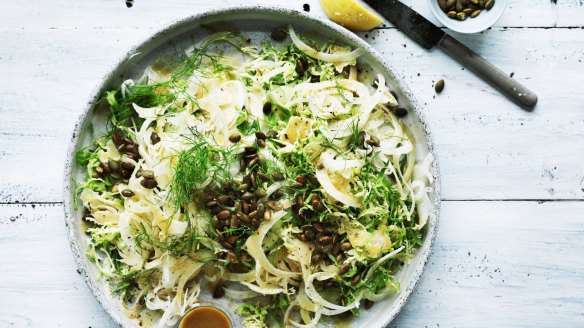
(480, 23)
(257, 23)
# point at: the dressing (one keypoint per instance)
(205, 317)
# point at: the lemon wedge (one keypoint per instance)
(352, 14)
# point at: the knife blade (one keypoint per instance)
(428, 35)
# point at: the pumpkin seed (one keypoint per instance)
(296, 185)
(260, 135)
(336, 250)
(223, 215)
(117, 138)
(127, 193)
(227, 245)
(234, 223)
(458, 6)
(263, 177)
(343, 269)
(356, 280)
(252, 163)
(467, 11)
(300, 179)
(212, 203)
(393, 92)
(442, 4)
(235, 138)
(274, 205)
(218, 292)
(149, 183)
(299, 201)
(277, 194)
(154, 138)
(278, 35)
(224, 199)
(489, 4)
(346, 246)
(461, 16)
(368, 304)
(451, 14)
(475, 13)
(243, 187)
(299, 67)
(99, 170)
(439, 86)
(106, 168)
(317, 205)
(147, 174)
(313, 180)
(277, 176)
(219, 233)
(400, 111)
(316, 258)
(449, 4)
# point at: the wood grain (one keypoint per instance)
(494, 264)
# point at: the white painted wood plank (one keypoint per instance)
(153, 13)
(39, 284)
(503, 264)
(495, 264)
(488, 148)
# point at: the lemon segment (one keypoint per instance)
(352, 14)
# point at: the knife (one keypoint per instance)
(429, 35)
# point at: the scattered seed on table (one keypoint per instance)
(439, 86)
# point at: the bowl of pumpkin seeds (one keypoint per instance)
(468, 16)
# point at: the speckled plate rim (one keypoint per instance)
(68, 188)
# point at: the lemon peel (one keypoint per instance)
(352, 14)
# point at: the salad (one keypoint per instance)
(280, 176)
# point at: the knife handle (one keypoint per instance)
(485, 70)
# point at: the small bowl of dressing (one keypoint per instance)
(205, 316)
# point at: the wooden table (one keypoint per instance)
(510, 245)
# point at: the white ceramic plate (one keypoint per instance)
(255, 23)
(480, 23)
